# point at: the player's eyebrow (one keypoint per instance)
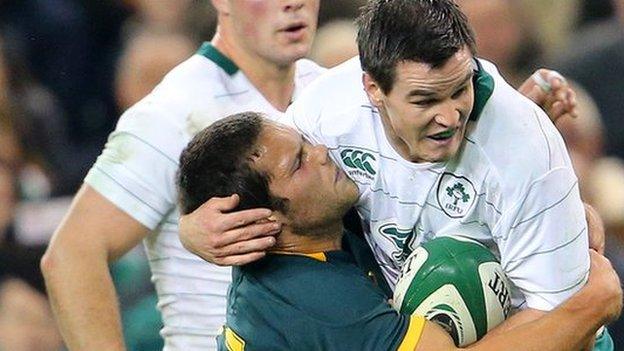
(432, 93)
(467, 79)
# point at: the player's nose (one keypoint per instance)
(449, 116)
(321, 154)
(293, 5)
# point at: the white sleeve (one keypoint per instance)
(543, 240)
(137, 169)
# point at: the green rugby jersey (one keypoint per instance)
(320, 301)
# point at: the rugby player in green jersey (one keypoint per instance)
(308, 294)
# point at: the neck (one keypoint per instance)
(327, 239)
(276, 82)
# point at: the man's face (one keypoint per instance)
(280, 31)
(319, 193)
(425, 112)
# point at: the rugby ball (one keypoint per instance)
(458, 284)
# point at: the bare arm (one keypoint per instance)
(568, 327)
(75, 268)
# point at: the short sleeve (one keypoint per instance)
(543, 240)
(137, 168)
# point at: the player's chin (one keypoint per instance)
(441, 153)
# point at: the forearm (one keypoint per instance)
(568, 327)
(75, 268)
(524, 316)
(83, 299)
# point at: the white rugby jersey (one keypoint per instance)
(511, 186)
(136, 171)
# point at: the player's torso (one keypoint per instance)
(403, 203)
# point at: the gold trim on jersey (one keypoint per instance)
(233, 342)
(319, 256)
(413, 334)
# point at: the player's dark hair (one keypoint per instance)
(218, 162)
(426, 31)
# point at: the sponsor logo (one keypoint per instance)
(456, 194)
(359, 162)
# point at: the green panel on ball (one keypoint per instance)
(454, 262)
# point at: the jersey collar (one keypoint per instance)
(483, 89)
(213, 54)
(319, 256)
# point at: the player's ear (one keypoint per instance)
(222, 6)
(375, 95)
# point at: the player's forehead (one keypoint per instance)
(277, 147)
(418, 78)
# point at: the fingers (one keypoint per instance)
(596, 229)
(532, 90)
(221, 203)
(244, 247)
(248, 232)
(540, 77)
(240, 260)
(242, 218)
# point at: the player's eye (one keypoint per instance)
(460, 92)
(298, 164)
(300, 159)
(424, 103)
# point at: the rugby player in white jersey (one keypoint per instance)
(440, 145)
(255, 63)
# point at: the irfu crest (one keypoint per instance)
(458, 192)
(455, 194)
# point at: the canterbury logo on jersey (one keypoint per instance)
(360, 162)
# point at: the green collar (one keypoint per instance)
(210, 52)
(483, 89)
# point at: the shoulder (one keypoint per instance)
(333, 102)
(336, 87)
(335, 292)
(165, 113)
(514, 135)
(308, 70)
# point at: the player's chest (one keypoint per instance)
(404, 207)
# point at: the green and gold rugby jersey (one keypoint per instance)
(320, 301)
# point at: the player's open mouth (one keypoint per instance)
(445, 135)
(295, 27)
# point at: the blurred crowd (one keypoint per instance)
(69, 68)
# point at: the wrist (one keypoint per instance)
(588, 306)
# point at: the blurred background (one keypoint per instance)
(69, 68)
